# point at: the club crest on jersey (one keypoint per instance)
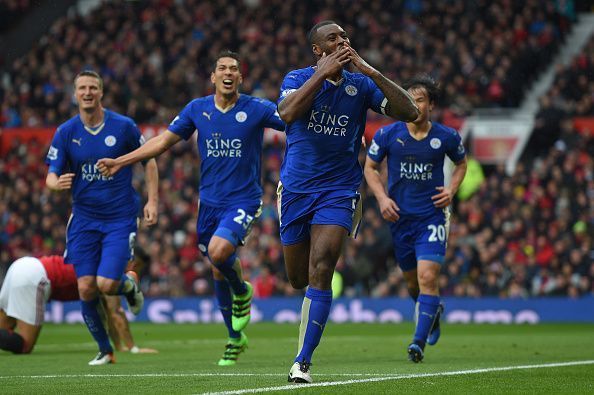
(350, 90)
(435, 143)
(241, 116)
(110, 141)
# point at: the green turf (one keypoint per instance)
(189, 353)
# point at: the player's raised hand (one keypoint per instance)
(332, 64)
(64, 181)
(359, 62)
(150, 213)
(389, 209)
(443, 198)
(107, 167)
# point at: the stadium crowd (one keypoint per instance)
(523, 235)
(529, 234)
(156, 55)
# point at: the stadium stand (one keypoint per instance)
(156, 55)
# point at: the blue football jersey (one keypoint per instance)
(415, 167)
(323, 145)
(75, 149)
(230, 145)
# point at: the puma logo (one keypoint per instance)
(207, 115)
(77, 141)
(400, 141)
(318, 324)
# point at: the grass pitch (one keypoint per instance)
(352, 359)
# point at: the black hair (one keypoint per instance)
(424, 81)
(312, 36)
(227, 54)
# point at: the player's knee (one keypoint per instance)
(87, 292)
(298, 282)
(107, 286)
(322, 275)
(218, 253)
(428, 280)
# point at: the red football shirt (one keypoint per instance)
(62, 278)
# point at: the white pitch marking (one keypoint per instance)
(398, 377)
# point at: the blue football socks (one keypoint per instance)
(224, 299)
(314, 314)
(230, 269)
(93, 321)
(427, 305)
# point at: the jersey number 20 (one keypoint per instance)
(438, 233)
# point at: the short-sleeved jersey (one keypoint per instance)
(76, 149)
(415, 167)
(230, 146)
(62, 278)
(323, 145)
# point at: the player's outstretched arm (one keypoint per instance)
(388, 207)
(152, 148)
(151, 174)
(400, 103)
(299, 102)
(59, 183)
(445, 195)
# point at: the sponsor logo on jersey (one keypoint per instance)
(400, 141)
(90, 173)
(416, 171)
(77, 141)
(52, 154)
(435, 143)
(322, 122)
(207, 114)
(110, 141)
(241, 116)
(350, 90)
(218, 147)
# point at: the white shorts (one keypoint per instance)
(25, 291)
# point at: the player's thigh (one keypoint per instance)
(431, 239)
(295, 212)
(326, 244)
(29, 333)
(26, 291)
(233, 228)
(411, 278)
(404, 247)
(297, 263)
(117, 248)
(83, 245)
(6, 322)
(208, 220)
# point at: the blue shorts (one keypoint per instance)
(100, 248)
(418, 239)
(298, 211)
(232, 223)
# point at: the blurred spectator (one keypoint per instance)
(155, 55)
